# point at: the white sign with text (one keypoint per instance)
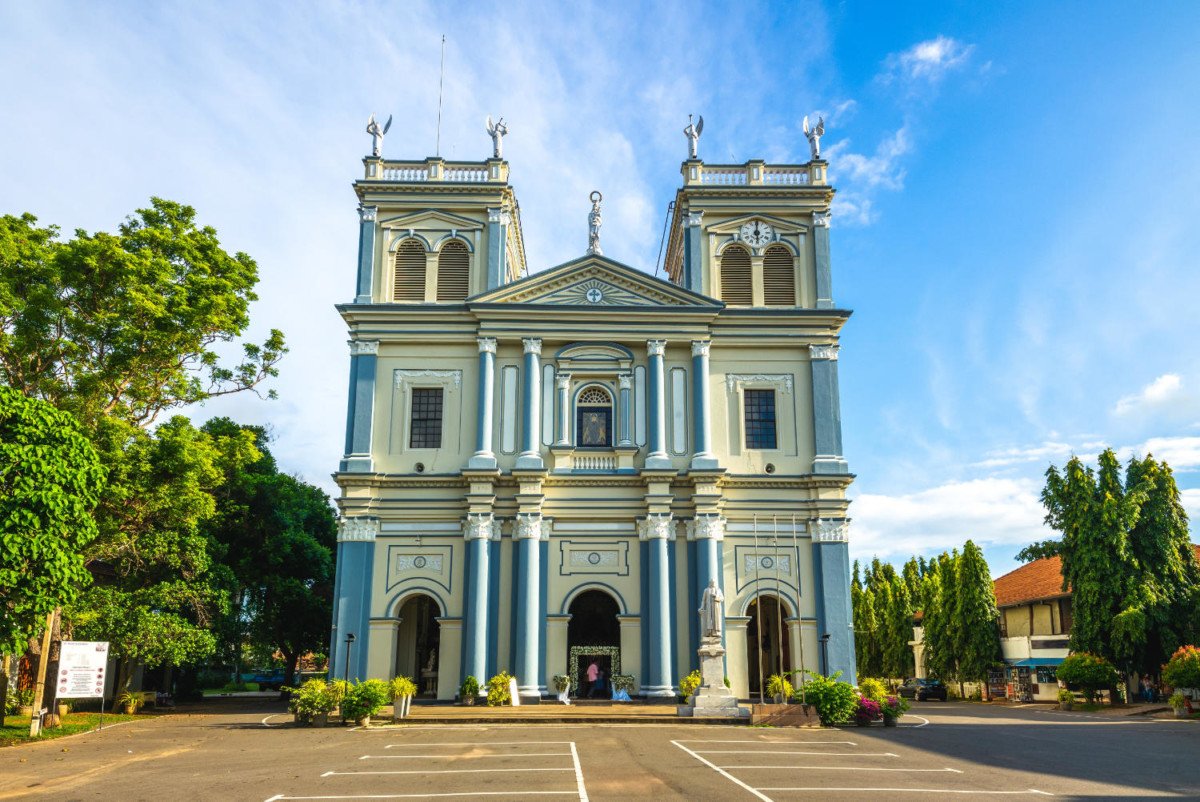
(81, 667)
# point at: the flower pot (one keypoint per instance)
(63, 710)
(130, 709)
(889, 721)
(1180, 712)
(25, 710)
(319, 720)
(365, 721)
(469, 699)
(1065, 706)
(862, 722)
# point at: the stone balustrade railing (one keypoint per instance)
(754, 173)
(436, 170)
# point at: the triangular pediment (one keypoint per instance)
(594, 281)
(431, 219)
(778, 223)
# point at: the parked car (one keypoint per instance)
(271, 679)
(920, 690)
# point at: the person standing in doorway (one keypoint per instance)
(593, 675)
(600, 686)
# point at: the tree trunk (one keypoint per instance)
(124, 672)
(4, 659)
(290, 659)
(35, 723)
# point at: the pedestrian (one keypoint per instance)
(593, 672)
(598, 687)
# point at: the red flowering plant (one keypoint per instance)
(1183, 669)
(894, 706)
(868, 710)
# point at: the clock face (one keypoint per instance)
(756, 233)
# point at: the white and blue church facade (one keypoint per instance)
(545, 468)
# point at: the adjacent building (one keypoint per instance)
(544, 466)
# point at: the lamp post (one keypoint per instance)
(824, 653)
(346, 669)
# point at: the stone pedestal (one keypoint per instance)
(712, 699)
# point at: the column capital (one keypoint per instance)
(656, 526)
(829, 352)
(700, 347)
(706, 527)
(360, 347)
(656, 347)
(532, 526)
(367, 214)
(562, 381)
(831, 530)
(481, 526)
(501, 216)
(694, 218)
(533, 345)
(821, 219)
(487, 345)
(361, 529)
(625, 381)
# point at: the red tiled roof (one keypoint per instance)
(1040, 579)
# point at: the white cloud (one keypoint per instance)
(989, 511)
(1181, 453)
(1045, 452)
(862, 176)
(927, 61)
(1191, 503)
(1164, 390)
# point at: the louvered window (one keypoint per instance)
(409, 282)
(454, 269)
(779, 279)
(735, 277)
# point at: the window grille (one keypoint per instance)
(454, 270)
(735, 277)
(594, 395)
(760, 418)
(426, 428)
(409, 281)
(779, 277)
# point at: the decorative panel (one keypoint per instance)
(548, 404)
(508, 409)
(424, 564)
(639, 405)
(590, 556)
(678, 402)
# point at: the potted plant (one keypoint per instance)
(689, 684)
(312, 702)
(365, 699)
(64, 707)
(623, 685)
(498, 690)
(562, 683)
(868, 710)
(402, 690)
(25, 702)
(1180, 704)
(893, 707)
(469, 690)
(1066, 699)
(779, 689)
(130, 701)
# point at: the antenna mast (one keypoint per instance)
(441, 79)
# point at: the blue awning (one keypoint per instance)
(1031, 662)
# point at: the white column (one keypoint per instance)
(484, 457)
(531, 455)
(562, 421)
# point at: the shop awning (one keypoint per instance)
(1031, 662)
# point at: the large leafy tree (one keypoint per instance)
(126, 324)
(50, 481)
(868, 652)
(978, 643)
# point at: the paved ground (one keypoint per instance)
(241, 750)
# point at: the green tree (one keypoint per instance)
(978, 644)
(50, 481)
(897, 629)
(1089, 671)
(866, 630)
(126, 325)
(937, 654)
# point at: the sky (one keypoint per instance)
(1014, 226)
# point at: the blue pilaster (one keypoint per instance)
(693, 592)
(493, 647)
(708, 531)
(360, 407)
(656, 405)
(821, 251)
(702, 456)
(646, 613)
(826, 410)
(693, 261)
(625, 421)
(831, 561)
(544, 564)
(528, 585)
(366, 253)
(484, 458)
(530, 457)
(657, 530)
(351, 604)
(497, 251)
(478, 533)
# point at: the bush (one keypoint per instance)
(401, 687)
(364, 699)
(872, 689)
(498, 693)
(835, 701)
(779, 686)
(624, 682)
(313, 697)
(689, 684)
(894, 706)
(868, 710)
(561, 682)
(1183, 669)
(338, 690)
(1090, 672)
(469, 687)
(1065, 697)
(1178, 701)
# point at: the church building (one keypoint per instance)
(546, 465)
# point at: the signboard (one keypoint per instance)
(81, 667)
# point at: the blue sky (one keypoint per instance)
(1014, 225)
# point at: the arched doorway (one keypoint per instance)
(767, 640)
(593, 637)
(417, 643)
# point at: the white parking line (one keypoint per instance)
(427, 796)
(763, 752)
(859, 790)
(462, 757)
(437, 771)
(767, 743)
(724, 773)
(583, 797)
(842, 768)
(473, 745)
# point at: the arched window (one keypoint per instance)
(593, 418)
(735, 277)
(779, 277)
(409, 281)
(454, 266)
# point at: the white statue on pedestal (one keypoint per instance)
(693, 132)
(377, 134)
(814, 136)
(497, 131)
(712, 612)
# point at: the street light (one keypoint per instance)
(346, 669)
(824, 653)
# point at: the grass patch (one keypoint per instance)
(16, 728)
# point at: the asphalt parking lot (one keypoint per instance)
(243, 752)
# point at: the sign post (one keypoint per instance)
(81, 671)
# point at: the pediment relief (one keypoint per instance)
(593, 357)
(431, 220)
(594, 282)
(780, 224)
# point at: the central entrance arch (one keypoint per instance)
(417, 643)
(767, 635)
(593, 637)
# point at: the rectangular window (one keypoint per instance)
(1047, 674)
(426, 428)
(760, 418)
